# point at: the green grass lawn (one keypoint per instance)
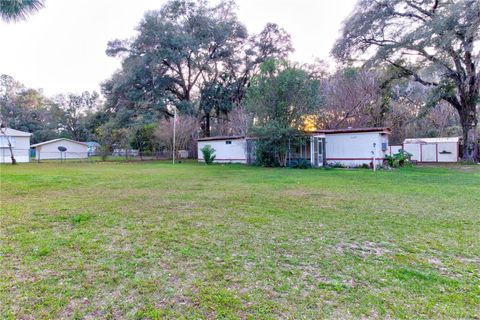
(152, 240)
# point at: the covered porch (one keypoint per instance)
(311, 150)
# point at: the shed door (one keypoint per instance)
(429, 152)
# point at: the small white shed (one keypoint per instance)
(50, 149)
(20, 142)
(228, 149)
(433, 149)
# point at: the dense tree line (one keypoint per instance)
(409, 65)
(68, 116)
(432, 42)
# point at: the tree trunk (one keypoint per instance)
(469, 122)
(11, 152)
(12, 157)
(206, 130)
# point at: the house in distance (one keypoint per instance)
(54, 149)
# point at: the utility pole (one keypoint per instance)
(174, 132)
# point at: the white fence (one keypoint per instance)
(58, 155)
(123, 153)
(31, 155)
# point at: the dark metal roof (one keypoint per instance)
(355, 130)
(221, 138)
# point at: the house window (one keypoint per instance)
(228, 142)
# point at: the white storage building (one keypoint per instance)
(50, 149)
(228, 149)
(20, 142)
(433, 149)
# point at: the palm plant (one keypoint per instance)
(16, 10)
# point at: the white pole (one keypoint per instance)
(312, 161)
(374, 152)
(174, 129)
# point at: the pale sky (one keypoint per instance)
(62, 47)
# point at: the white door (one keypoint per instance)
(320, 149)
(429, 152)
(317, 151)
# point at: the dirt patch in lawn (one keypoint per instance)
(469, 168)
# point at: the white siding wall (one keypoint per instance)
(236, 152)
(413, 149)
(50, 150)
(394, 149)
(354, 149)
(21, 149)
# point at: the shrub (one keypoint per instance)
(264, 155)
(399, 159)
(363, 166)
(336, 165)
(208, 154)
(300, 164)
(273, 143)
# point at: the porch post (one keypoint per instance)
(312, 161)
(324, 152)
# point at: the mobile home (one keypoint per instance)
(349, 147)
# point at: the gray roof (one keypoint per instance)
(56, 140)
(16, 133)
(432, 140)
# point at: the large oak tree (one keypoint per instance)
(433, 42)
(191, 55)
(178, 48)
